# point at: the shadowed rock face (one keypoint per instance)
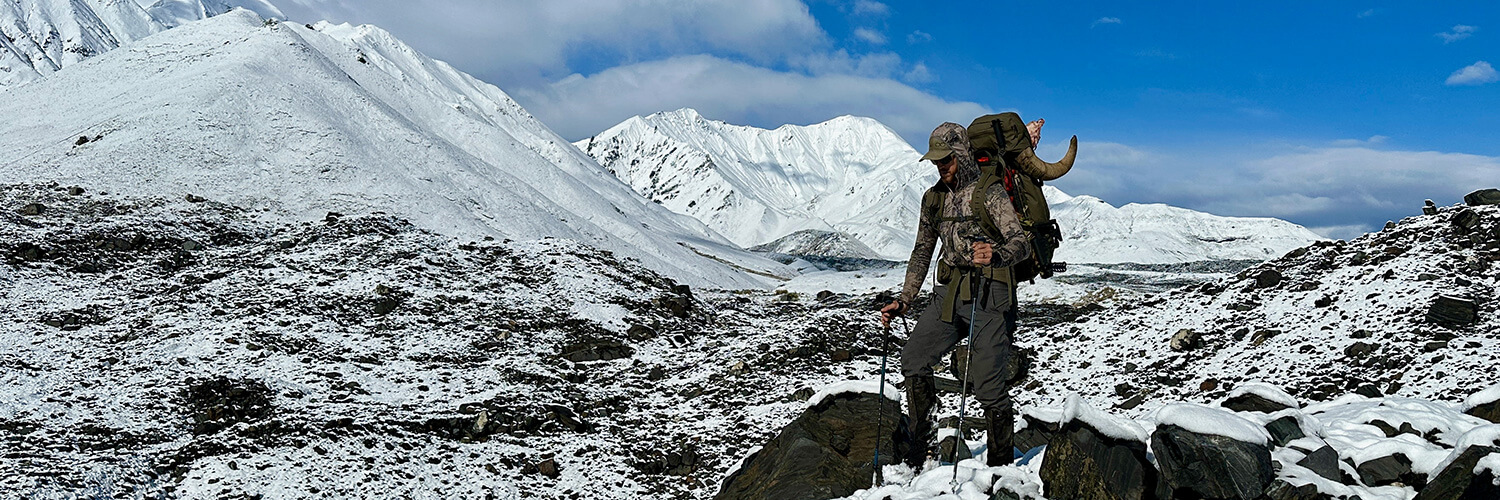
(825, 453)
(1207, 466)
(1083, 464)
(1459, 482)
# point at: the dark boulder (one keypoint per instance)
(825, 453)
(1268, 279)
(1465, 220)
(1458, 481)
(1483, 197)
(1488, 411)
(1282, 490)
(33, 209)
(1253, 402)
(1451, 310)
(1323, 462)
(1388, 470)
(1185, 339)
(1082, 463)
(1284, 430)
(1209, 466)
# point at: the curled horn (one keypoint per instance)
(1036, 167)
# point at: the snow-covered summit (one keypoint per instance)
(346, 119)
(855, 175)
(753, 185)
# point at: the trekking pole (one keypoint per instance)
(880, 414)
(963, 389)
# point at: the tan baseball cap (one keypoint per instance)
(940, 144)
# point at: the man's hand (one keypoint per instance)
(982, 253)
(890, 311)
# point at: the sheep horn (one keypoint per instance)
(1033, 166)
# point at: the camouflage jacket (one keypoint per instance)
(955, 225)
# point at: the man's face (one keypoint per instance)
(947, 168)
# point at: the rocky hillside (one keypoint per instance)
(1407, 311)
(197, 349)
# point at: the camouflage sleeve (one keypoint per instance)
(921, 258)
(1016, 246)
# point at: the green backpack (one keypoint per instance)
(1002, 147)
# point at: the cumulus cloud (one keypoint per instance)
(1478, 73)
(870, 36)
(525, 42)
(579, 105)
(1106, 20)
(1459, 32)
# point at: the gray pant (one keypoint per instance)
(995, 321)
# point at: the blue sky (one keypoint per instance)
(1335, 115)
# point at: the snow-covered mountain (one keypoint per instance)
(856, 176)
(300, 122)
(1096, 232)
(44, 36)
(755, 186)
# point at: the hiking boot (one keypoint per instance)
(1001, 425)
(921, 396)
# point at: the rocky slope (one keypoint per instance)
(199, 349)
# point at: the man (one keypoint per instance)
(975, 291)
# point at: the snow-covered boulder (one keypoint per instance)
(1206, 452)
(1096, 456)
(1264, 398)
(827, 451)
(1485, 404)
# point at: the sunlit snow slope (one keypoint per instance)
(347, 119)
(754, 186)
(1096, 232)
(44, 36)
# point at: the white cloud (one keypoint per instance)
(1106, 20)
(918, 36)
(1374, 140)
(1459, 32)
(1367, 13)
(868, 7)
(919, 74)
(736, 92)
(878, 65)
(870, 36)
(525, 42)
(1478, 73)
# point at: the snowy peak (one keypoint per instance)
(173, 13)
(848, 174)
(299, 123)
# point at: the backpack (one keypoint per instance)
(996, 141)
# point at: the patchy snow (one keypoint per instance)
(1269, 392)
(1490, 463)
(1212, 421)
